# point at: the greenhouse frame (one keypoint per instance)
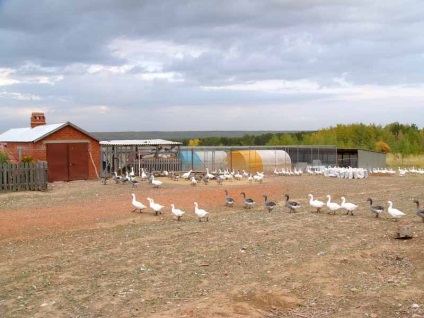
(160, 155)
(257, 158)
(122, 156)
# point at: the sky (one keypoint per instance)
(134, 65)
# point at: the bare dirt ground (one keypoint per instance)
(77, 250)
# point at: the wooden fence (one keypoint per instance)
(23, 176)
(159, 165)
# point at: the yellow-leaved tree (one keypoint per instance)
(383, 147)
(194, 142)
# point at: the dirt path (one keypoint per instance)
(77, 250)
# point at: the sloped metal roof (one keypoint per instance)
(35, 134)
(29, 134)
(143, 142)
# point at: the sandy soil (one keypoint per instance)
(78, 250)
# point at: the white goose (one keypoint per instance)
(258, 178)
(125, 178)
(209, 175)
(116, 177)
(193, 181)
(177, 212)
(202, 214)
(402, 172)
(238, 176)
(186, 175)
(143, 174)
(315, 203)
(156, 183)
(155, 206)
(332, 206)
(132, 173)
(137, 204)
(349, 207)
(395, 213)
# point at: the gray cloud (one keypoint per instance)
(162, 62)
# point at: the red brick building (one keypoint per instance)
(71, 153)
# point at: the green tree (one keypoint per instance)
(274, 141)
(3, 157)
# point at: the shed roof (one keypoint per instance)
(142, 142)
(355, 150)
(35, 134)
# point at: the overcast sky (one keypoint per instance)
(121, 65)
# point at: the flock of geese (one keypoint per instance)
(249, 203)
(293, 206)
(219, 176)
(157, 208)
(401, 171)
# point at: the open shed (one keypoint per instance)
(151, 154)
(71, 153)
(360, 158)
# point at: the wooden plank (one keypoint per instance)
(2, 182)
(28, 177)
(18, 177)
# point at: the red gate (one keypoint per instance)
(67, 161)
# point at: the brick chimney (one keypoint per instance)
(37, 119)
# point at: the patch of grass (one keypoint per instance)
(394, 161)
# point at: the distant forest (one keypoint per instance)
(395, 137)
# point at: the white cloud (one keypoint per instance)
(5, 78)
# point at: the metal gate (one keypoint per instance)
(67, 161)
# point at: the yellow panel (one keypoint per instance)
(248, 160)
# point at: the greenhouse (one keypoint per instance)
(194, 159)
(258, 160)
(161, 155)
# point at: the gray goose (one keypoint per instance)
(376, 209)
(269, 204)
(248, 203)
(228, 201)
(292, 205)
(420, 211)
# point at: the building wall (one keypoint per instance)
(26, 149)
(371, 159)
(67, 134)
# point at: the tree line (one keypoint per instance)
(403, 139)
